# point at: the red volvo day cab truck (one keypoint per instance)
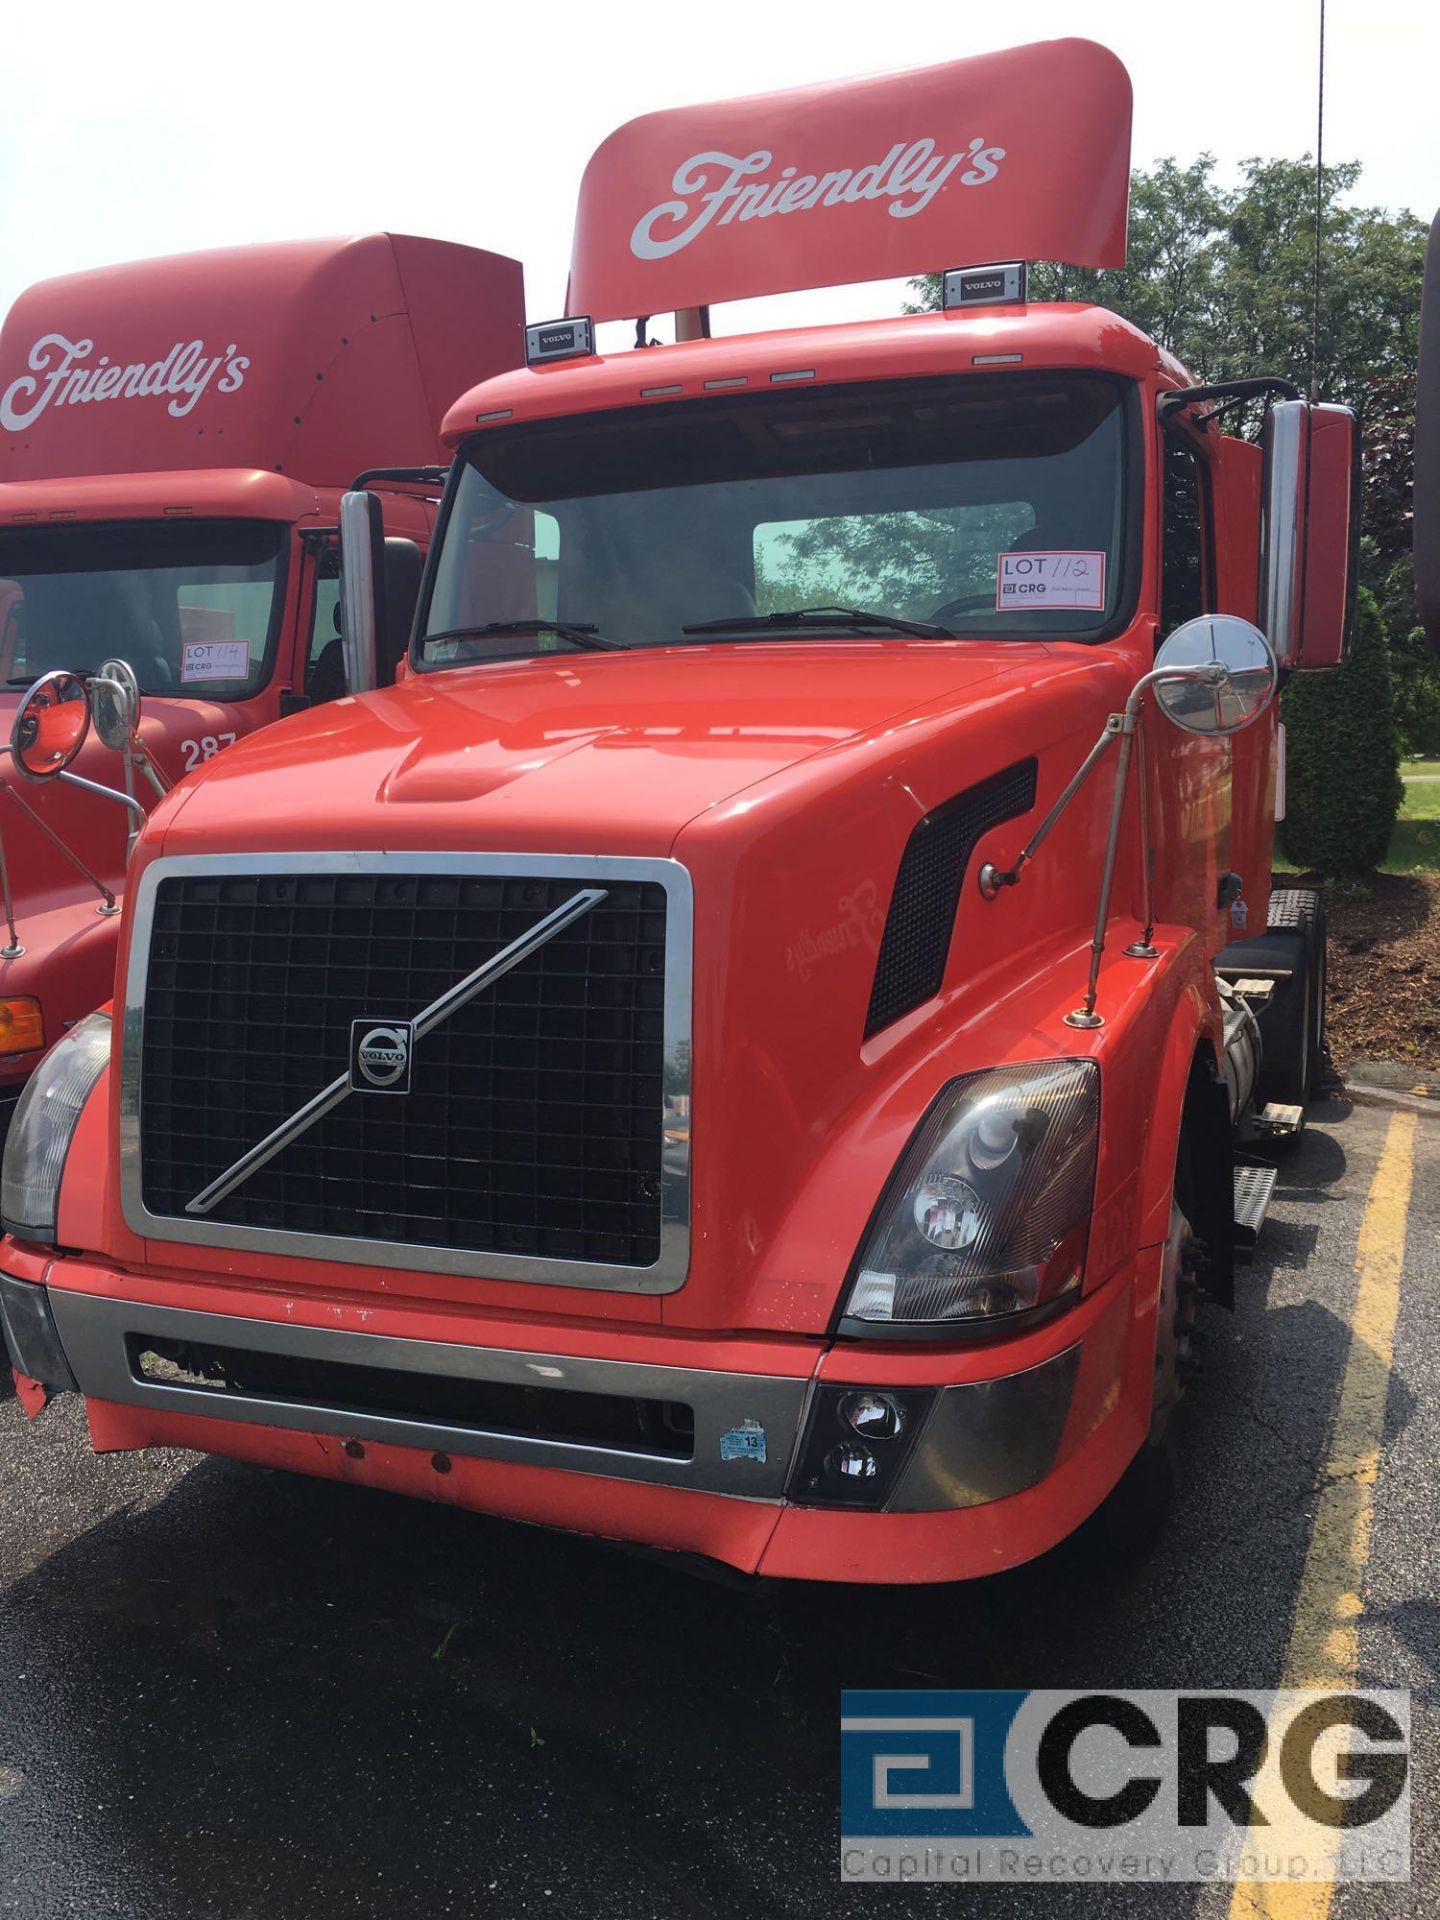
(743, 1049)
(175, 437)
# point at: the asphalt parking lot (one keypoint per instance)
(224, 1692)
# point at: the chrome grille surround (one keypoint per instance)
(668, 1272)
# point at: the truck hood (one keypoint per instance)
(788, 779)
(613, 753)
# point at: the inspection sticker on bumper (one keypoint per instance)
(1059, 578)
(1115, 1786)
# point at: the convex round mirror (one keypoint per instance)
(50, 726)
(115, 703)
(1216, 704)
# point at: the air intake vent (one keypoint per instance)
(916, 942)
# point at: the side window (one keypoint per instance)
(547, 565)
(1183, 536)
(324, 666)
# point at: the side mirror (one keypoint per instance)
(115, 704)
(362, 587)
(1221, 702)
(1310, 532)
(50, 725)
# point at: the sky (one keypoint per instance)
(137, 129)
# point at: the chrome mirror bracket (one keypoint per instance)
(1209, 673)
(992, 878)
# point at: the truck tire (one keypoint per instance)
(1292, 1027)
(1130, 1521)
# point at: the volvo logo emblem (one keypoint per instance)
(380, 1056)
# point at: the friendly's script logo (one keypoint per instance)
(62, 374)
(908, 177)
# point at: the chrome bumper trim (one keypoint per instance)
(746, 1424)
(989, 1438)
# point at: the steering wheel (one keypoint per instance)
(966, 603)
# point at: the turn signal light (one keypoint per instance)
(21, 1028)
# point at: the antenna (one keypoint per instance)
(1319, 215)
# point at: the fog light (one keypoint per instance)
(852, 1461)
(947, 1212)
(856, 1442)
(875, 1415)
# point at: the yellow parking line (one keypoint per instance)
(1323, 1650)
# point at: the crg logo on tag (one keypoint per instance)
(380, 1056)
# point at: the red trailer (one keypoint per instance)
(175, 436)
(754, 1044)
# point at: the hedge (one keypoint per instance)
(1343, 787)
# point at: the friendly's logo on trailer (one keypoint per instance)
(63, 373)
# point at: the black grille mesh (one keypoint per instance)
(916, 941)
(534, 1123)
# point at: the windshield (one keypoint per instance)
(190, 605)
(986, 505)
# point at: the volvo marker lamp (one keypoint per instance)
(559, 340)
(1002, 286)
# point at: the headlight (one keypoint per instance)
(44, 1123)
(989, 1209)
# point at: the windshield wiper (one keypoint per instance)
(855, 618)
(578, 633)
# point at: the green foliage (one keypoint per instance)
(1415, 671)
(1343, 787)
(1223, 278)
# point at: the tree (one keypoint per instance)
(1343, 788)
(1385, 560)
(1224, 278)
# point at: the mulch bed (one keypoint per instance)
(1384, 967)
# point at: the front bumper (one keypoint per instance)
(679, 1449)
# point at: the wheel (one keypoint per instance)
(1132, 1518)
(1292, 1027)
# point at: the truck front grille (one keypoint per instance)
(534, 1128)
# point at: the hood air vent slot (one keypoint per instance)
(916, 942)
